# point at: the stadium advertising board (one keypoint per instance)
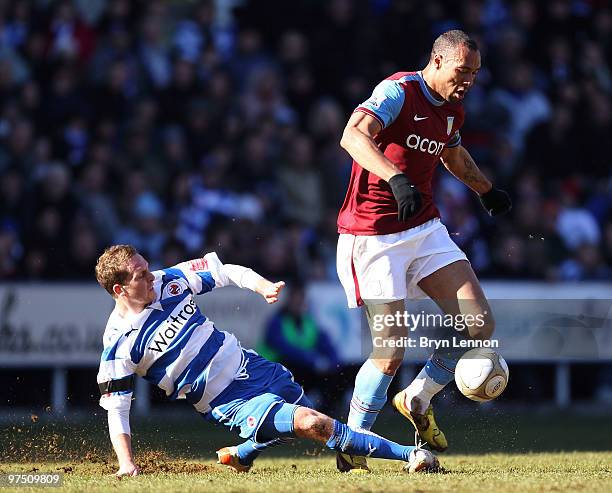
(62, 325)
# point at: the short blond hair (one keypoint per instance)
(111, 267)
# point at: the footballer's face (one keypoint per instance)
(139, 288)
(458, 73)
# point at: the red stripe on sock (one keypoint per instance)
(358, 407)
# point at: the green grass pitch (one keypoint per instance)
(490, 451)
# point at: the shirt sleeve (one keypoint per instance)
(202, 274)
(118, 422)
(116, 366)
(207, 273)
(455, 140)
(385, 103)
(243, 277)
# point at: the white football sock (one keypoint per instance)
(420, 392)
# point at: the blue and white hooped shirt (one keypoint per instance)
(170, 343)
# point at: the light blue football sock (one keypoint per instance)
(369, 396)
(433, 377)
(366, 443)
(441, 369)
(440, 366)
(276, 429)
(249, 451)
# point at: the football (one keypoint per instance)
(421, 460)
(481, 374)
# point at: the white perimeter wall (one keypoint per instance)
(62, 324)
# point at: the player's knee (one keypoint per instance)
(311, 424)
(483, 328)
(389, 366)
(304, 419)
(387, 359)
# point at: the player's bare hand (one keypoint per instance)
(271, 291)
(127, 470)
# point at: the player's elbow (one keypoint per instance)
(344, 141)
(447, 164)
(450, 159)
(347, 139)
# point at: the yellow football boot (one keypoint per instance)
(355, 464)
(424, 424)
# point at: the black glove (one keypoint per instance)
(408, 198)
(496, 202)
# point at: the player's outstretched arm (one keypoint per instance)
(118, 413)
(458, 161)
(246, 278)
(116, 384)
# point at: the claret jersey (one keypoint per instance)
(416, 127)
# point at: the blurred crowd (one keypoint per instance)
(187, 126)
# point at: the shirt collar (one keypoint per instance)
(156, 305)
(430, 97)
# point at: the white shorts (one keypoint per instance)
(381, 268)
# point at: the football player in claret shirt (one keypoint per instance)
(392, 244)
